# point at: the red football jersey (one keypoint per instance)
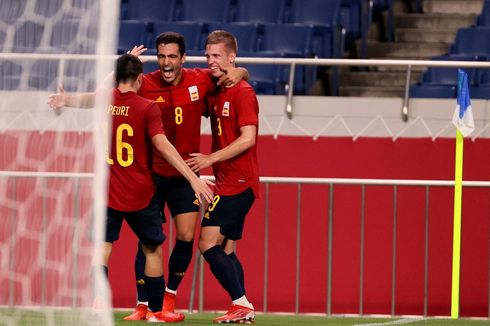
(181, 108)
(135, 120)
(231, 109)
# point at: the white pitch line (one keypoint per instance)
(394, 322)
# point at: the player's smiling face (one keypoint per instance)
(170, 62)
(218, 56)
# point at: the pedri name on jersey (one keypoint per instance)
(118, 110)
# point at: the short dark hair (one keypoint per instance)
(171, 37)
(128, 68)
(220, 36)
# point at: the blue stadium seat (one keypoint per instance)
(27, 36)
(203, 10)
(484, 17)
(260, 11)
(79, 76)
(245, 33)
(3, 36)
(43, 75)
(48, 8)
(356, 17)
(325, 17)
(292, 41)
(148, 10)
(433, 91)
(265, 79)
(63, 36)
(11, 10)
(482, 89)
(442, 82)
(131, 33)
(287, 40)
(192, 32)
(472, 41)
(10, 74)
(319, 12)
(481, 92)
(84, 4)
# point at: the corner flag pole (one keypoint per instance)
(465, 124)
(458, 187)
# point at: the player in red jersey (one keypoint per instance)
(234, 121)
(136, 128)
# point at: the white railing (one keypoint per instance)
(292, 62)
(330, 182)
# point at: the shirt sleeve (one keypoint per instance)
(247, 107)
(153, 121)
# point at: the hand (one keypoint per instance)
(231, 76)
(202, 190)
(58, 100)
(138, 50)
(199, 161)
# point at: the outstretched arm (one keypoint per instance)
(246, 140)
(84, 100)
(79, 100)
(168, 151)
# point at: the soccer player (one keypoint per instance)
(180, 93)
(234, 122)
(136, 127)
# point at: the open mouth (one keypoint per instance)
(167, 72)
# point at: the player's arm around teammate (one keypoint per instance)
(234, 123)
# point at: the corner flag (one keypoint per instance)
(463, 120)
(463, 115)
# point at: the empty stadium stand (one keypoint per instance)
(150, 10)
(203, 10)
(271, 11)
(131, 33)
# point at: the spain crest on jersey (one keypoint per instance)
(194, 93)
(226, 109)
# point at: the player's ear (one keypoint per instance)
(139, 80)
(183, 58)
(232, 57)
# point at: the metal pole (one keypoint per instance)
(361, 267)
(196, 269)
(289, 105)
(426, 253)
(76, 236)
(298, 250)
(201, 284)
(393, 257)
(12, 242)
(266, 246)
(330, 250)
(406, 97)
(42, 245)
(194, 278)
